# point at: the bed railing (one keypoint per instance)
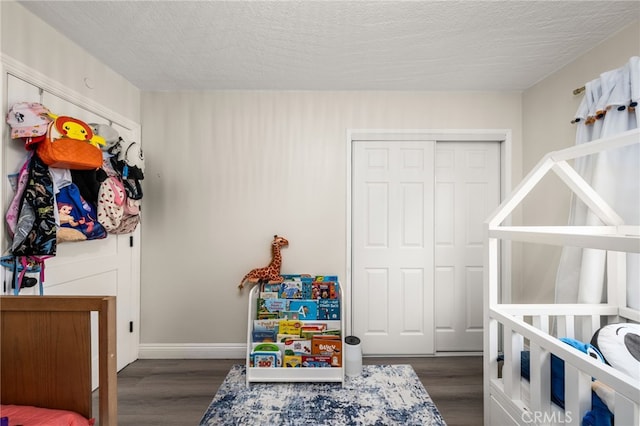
(527, 327)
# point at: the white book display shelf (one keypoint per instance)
(292, 374)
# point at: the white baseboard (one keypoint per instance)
(192, 351)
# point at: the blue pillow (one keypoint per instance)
(599, 414)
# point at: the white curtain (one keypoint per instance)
(609, 107)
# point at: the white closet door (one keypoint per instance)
(393, 246)
(467, 191)
(417, 215)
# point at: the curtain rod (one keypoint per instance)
(578, 90)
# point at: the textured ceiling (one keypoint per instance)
(336, 45)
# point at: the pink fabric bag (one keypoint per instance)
(111, 203)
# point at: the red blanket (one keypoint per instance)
(35, 416)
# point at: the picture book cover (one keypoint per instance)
(268, 295)
(266, 324)
(291, 290)
(306, 309)
(325, 278)
(314, 326)
(289, 315)
(308, 334)
(329, 309)
(263, 336)
(297, 347)
(281, 337)
(290, 326)
(324, 290)
(292, 361)
(307, 286)
(271, 305)
(270, 288)
(320, 346)
(296, 277)
(316, 361)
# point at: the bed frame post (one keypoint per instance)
(108, 368)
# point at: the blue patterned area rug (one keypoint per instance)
(382, 395)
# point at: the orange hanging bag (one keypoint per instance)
(68, 152)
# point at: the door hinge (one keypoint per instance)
(130, 326)
(131, 241)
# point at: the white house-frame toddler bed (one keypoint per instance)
(515, 330)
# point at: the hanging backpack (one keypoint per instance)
(128, 161)
(19, 183)
(111, 202)
(35, 231)
(130, 218)
(76, 213)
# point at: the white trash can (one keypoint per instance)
(353, 356)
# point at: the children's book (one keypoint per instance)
(324, 290)
(328, 345)
(329, 309)
(270, 288)
(289, 315)
(296, 277)
(263, 336)
(291, 290)
(270, 308)
(321, 278)
(284, 337)
(325, 346)
(309, 326)
(290, 326)
(308, 334)
(292, 361)
(316, 361)
(307, 286)
(306, 309)
(266, 324)
(297, 347)
(275, 305)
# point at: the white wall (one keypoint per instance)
(27, 39)
(228, 170)
(548, 109)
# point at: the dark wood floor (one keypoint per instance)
(177, 392)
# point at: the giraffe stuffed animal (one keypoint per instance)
(271, 272)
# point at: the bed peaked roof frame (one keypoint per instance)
(615, 236)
